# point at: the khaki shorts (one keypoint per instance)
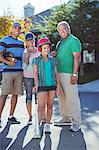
(12, 83)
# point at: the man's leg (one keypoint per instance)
(11, 118)
(62, 100)
(73, 102)
(5, 90)
(2, 103)
(75, 110)
(63, 96)
(17, 89)
(13, 104)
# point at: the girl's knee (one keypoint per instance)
(41, 108)
(49, 106)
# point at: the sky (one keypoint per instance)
(16, 6)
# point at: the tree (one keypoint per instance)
(58, 13)
(85, 19)
(82, 15)
(5, 24)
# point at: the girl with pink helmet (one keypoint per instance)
(46, 81)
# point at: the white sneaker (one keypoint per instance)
(75, 127)
(63, 121)
(47, 128)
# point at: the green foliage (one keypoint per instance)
(5, 24)
(82, 15)
(58, 13)
(85, 19)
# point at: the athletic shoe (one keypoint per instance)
(30, 122)
(43, 121)
(63, 121)
(13, 120)
(75, 127)
(47, 128)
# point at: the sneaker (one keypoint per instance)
(75, 127)
(13, 120)
(47, 128)
(63, 121)
(30, 122)
(43, 121)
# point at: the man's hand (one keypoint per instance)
(11, 62)
(54, 53)
(57, 90)
(74, 79)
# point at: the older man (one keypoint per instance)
(68, 58)
(12, 69)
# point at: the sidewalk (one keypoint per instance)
(20, 137)
(89, 87)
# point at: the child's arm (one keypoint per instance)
(35, 73)
(57, 80)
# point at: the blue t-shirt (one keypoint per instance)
(16, 47)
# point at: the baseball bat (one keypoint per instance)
(36, 128)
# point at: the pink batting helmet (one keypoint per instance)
(43, 41)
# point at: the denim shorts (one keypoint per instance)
(28, 83)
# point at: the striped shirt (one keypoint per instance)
(16, 47)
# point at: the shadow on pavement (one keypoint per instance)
(90, 111)
(47, 142)
(34, 144)
(71, 140)
(17, 144)
(89, 101)
(4, 142)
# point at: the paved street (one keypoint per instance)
(20, 137)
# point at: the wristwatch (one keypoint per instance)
(74, 74)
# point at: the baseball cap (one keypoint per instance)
(16, 24)
(29, 35)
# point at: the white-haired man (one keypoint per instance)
(68, 57)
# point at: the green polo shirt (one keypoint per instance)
(65, 59)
